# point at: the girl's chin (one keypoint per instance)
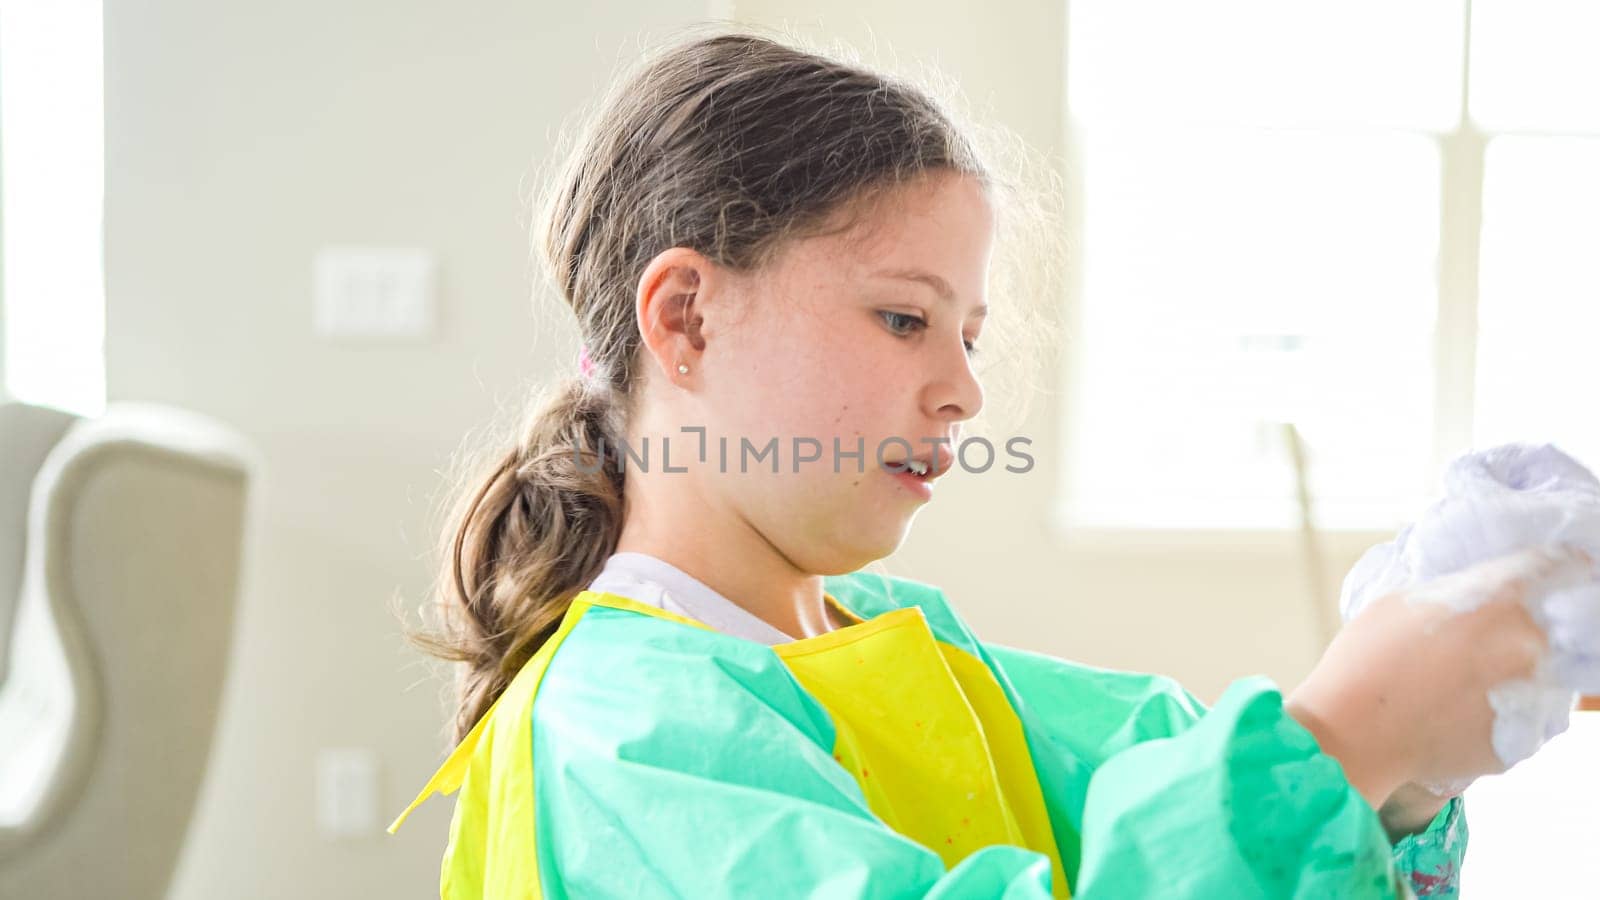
(862, 529)
(856, 545)
(888, 535)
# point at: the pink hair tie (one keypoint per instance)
(585, 364)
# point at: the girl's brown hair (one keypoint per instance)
(731, 145)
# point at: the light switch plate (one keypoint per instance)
(374, 293)
(347, 792)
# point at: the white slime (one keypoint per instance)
(1498, 501)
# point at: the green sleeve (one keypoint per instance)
(1152, 794)
(672, 763)
(1431, 859)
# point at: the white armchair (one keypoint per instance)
(121, 545)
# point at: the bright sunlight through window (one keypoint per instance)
(1286, 217)
(51, 201)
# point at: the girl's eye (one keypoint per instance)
(902, 323)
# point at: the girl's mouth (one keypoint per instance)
(917, 473)
(919, 484)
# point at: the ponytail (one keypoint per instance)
(537, 530)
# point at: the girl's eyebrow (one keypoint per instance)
(939, 285)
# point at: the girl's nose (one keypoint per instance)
(954, 394)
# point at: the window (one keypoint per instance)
(1533, 83)
(1311, 214)
(52, 294)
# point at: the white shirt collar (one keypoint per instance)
(656, 582)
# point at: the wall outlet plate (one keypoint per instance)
(347, 792)
(374, 293)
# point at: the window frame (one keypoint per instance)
(1463, 150)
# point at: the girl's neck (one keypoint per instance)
(726, 553)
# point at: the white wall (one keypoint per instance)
(240, 137)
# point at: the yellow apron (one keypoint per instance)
(921, 725)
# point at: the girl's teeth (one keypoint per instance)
(917, 466)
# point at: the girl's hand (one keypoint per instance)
(1401, 695)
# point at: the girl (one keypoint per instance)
(679, 682)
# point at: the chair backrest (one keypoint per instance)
(136, 526)
(27, 434)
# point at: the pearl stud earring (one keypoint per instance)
(683, 369)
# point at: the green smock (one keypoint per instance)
(641, 754)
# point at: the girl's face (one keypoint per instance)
(855, 341)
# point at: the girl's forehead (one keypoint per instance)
(942, 227)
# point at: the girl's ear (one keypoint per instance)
(671, 299)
